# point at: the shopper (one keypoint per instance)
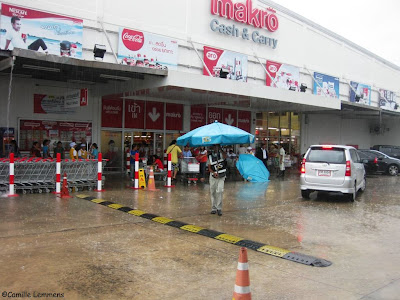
(176, 153)
(262, 154)
(35, 150)
(46, 150)
(94, 151)
(59, 149)
(242, 150)
(202, 159)
(157, 163)
(281, 161)
(186, 151)
(217, 168)
(82, 153)
(73, 154)
(14, 148)
(133, 154)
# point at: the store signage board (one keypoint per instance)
(326, 86)
(244, 120)
(76, 98)
(111, 113)
(40, 31)
(134, 114)
(387, 100)
(283, 76)
(142, 49)
(229, 117)
(245, 13)
(360, 93)
(154, 115)
(174, 116)
(235, 65)
(214, 114)
(197, 116)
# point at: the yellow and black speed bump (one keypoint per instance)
(231, 239)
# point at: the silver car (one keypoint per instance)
(332, 168)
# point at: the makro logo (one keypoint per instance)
(272, 69)
(212, 55)
(133, 40)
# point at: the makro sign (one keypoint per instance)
(246, 14)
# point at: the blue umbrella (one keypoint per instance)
(216, 133)
(252, 169)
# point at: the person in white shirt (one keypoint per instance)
(281, 161)
(18, 39)
(242, 150)
(262, 154)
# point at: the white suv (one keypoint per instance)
(332, 168)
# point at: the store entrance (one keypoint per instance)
(149, 143)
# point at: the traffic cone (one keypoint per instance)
(242, 284)
(151, 185)
(64, 189)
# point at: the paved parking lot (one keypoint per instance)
(88, 251)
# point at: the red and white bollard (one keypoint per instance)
(12, 188)
(99, 173)
(169, 178)
(128, 162)
(58, 175)
(136, 182)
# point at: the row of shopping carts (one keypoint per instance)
(39, 175)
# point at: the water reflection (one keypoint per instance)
(252, 191)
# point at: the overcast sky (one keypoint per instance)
(374, 25)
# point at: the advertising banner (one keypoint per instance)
(328, 86)
(111, 113)
(76, 98)
(197, 116)
(49, 104)
(174, 116)
(244, 120)
(40, 31)
(154, 115)
(134, 114)
(225, 64)
(285, 77)
(142, 49)
(387, 100)
(214, 114)
(229, 117)
(360, 93)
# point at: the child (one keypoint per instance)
(158, 163)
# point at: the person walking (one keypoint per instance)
(94, 151)
(59, 149)
(262, 154)
(202, 159)
(217, 168)
(175, 154)
(281, 161)
(46, 150)
(35, 150)
(73, 154)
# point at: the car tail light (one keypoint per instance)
(327, 148)
(375, 160)
(348, 168)
(303, 166)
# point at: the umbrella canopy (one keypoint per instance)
(216, 133)
(252, 169)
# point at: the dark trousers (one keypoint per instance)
(37, 44)
(265, 162)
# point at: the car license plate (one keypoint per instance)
(325, 173)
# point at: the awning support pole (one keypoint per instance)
(108, 39)
(202, 60)
(265, 69)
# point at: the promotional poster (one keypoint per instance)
(40, 31)
(142, 49)
(225, 64)
(286, 77)
(360, 93)
(387, 100)
(328, 86)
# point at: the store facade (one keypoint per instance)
(279, 76)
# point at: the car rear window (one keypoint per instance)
(327, 155)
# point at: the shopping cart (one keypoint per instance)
(4, 174)
(81, 173)
(189, 168)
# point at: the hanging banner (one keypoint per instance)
(142, 49)
(134, 114)
(225, 64)
(111, 113)
(327, 86)
(197, 116)
(244, 120)
(49, 104)
(154, 115)
(229, 117)
(76, 98)
(214, 114)
(360, 93)
(285, 77)
(387, 100)
(174, 116)
(40, 31)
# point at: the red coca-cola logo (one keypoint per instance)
(133, 40)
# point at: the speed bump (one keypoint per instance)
(231, 239)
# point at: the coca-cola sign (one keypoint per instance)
(133, 40)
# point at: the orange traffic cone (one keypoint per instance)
(64, 189)
(242, 284)
(151, 185)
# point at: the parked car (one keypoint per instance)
(386, 164)
(370, 162)
(332, 168)
(392, 151)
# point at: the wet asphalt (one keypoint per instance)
(87, 251)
